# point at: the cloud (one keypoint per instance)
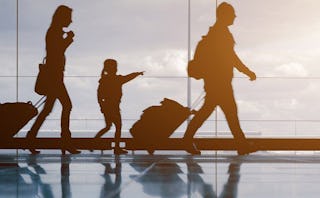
(274, 39)
(292, 69)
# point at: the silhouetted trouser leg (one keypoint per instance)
(65, 101)
(63, 97)
(229, 107)
(41, 117)
(107, 128)
(118, 124)
(199, 118)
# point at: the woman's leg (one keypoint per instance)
(66, 110)
(39, 121)
(41, 117)
(65, 121)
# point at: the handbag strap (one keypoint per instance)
(44, 60)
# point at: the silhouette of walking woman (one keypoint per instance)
(220, 59)
(57, 41)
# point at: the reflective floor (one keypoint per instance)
(179, 175)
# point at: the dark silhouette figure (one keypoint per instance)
(220, 59)
(57, 41)
(109, 99)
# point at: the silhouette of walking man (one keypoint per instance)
(220, 59)
(57, 42)
(109, 98)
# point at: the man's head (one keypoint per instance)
(226, 14)
(110, 66)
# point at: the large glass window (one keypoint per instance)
(279, 41)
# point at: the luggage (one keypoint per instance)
(157, 123)
(15, 116)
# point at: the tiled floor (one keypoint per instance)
(93, 175)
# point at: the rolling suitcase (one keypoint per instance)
(14, 116)
(157, 123)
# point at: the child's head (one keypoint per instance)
(110, 66)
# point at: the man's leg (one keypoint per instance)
(230, 110)
(196, 122)
(229, 107)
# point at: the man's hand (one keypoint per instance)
(252, 76)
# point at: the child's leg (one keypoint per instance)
(118, 125)
(107, 128)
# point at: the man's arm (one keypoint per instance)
(242, 68)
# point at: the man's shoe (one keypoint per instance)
(71, 150)
(193, 150)
(119, 151)
(247, 148)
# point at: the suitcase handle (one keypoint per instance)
(40, 102)
(198, 100)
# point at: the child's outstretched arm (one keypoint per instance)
(131, 76)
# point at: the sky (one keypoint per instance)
(279, 40)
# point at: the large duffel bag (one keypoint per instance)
(157, 123)
(14, 116)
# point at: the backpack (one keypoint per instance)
(196, 66)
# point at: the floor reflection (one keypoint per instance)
(230, 189)
(164, 179)
(111, 188)
(160, 179)
(65, 175)
(157, 176)
(23, 181)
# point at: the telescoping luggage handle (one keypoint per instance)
(40, 102)
(198, 100)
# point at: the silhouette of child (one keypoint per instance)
(109, 98)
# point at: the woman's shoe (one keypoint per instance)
(247, 148)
